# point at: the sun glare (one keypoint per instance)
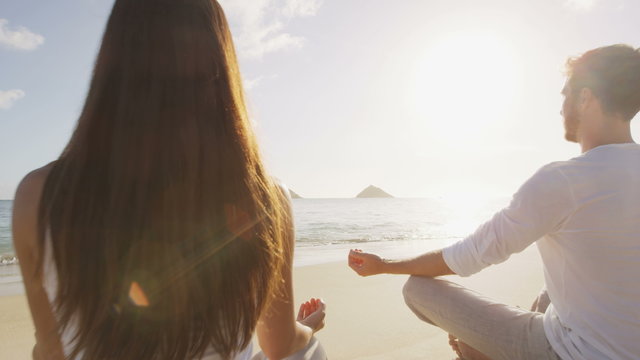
(466, 212)
(464, 86)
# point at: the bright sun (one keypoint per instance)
(464, 85)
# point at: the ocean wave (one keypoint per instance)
(8, 260)
(320, 241)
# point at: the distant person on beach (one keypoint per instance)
(584, 216)
(158, 233)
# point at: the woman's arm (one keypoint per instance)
(25, 239)
(279, 334)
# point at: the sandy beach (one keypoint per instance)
(366, 317)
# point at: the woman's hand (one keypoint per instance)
(312, 314)
(366, 264)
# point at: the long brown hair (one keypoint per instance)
(166, 230)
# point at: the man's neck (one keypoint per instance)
(606, 139)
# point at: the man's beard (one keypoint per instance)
(571, 122)
(570, 136)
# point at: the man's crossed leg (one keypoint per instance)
(479, 327)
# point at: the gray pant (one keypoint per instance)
(499, 331)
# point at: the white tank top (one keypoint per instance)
(50, 284)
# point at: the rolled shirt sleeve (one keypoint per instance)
(538, 208)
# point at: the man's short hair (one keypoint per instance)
(613, 75)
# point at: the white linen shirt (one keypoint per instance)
(584, 215)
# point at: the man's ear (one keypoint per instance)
(585, 98)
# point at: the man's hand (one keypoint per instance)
(365, 264)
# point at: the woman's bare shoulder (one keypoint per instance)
(30, 188)
(26, 203)
(35, 177)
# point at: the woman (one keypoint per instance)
(158, 234)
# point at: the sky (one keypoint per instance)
(454, 98)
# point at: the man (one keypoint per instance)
(584, 216)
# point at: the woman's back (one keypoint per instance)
(50, 283)
(158, 229)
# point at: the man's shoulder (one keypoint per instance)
(550, 179)
(555, 169)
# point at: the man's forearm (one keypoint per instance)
(431, 264)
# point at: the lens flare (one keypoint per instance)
(137, 295)
(238, 222)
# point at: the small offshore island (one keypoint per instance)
(294, 195)
(373, 192)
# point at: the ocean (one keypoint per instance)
(327, 228)
(7, 254)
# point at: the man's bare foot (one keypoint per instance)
(464, 351)
(453, 342)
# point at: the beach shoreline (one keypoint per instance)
(366, 317)
(10, 280)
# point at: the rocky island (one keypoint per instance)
(373, 192)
